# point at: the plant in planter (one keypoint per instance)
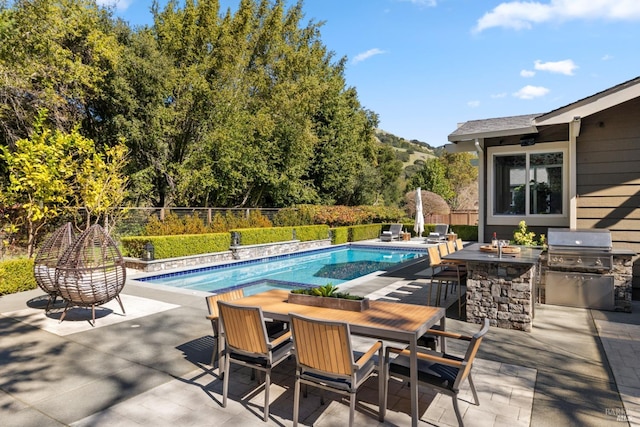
(522, 236)
(328, 296)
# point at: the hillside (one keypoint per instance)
(408, 152)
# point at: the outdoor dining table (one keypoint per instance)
(382, 320)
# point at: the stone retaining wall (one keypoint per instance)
(235, 253)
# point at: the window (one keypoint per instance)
(528, 183)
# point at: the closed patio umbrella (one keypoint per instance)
(419, 222)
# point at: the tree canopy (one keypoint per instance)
(216, 107)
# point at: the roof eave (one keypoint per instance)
(594, 104)
(492, 134)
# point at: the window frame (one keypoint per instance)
(531, 219)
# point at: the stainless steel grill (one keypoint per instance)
(586, 250)
(580, 263)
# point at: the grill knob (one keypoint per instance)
(579, 260)
(598, 262)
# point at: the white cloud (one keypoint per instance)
(119, 4)
(607, 57)
(527, 73)
(499, 95)
(473, 104)
(519, 15)
(565, 67)
(530, 92)
(366, 55)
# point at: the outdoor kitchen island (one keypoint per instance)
(501, 288)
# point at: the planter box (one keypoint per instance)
(328, 302)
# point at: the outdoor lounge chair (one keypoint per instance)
(91, 271)
(247, 344)
(442, 372)
(439, 234)
(392, 234)
(46, 260)
(325, 359)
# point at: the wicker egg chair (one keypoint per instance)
(44, 265)
(91, 271)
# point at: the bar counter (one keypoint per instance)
(500, 288)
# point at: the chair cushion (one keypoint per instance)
(342, 383)
(278, 353)
(437, 374)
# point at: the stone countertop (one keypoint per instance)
(472, 253)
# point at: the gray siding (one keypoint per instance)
(608, 173)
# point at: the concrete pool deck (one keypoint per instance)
(150, 367)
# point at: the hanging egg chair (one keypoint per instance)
(91, 271)
(44, 265)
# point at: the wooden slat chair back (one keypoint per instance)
(459, 244)
(445, 373)
(315, 340)
(247, 344)
(244, 329)
(449, 274)
(214, 314)
(451, 246)
(325, 359)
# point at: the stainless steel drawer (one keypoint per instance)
(580, 290)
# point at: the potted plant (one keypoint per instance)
(328, 296)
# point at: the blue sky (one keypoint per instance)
(426, 65)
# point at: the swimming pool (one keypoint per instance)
(335, 265)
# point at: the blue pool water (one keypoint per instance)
(312, 268)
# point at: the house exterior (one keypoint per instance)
(575, 167)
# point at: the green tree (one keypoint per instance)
(100, 183)
(460, 172)
(55, 55)
(432, 177)
(41, 169)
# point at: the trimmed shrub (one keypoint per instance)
(364, 232)
(176, 246)
(16, 275)
(307, 233)
(258, 236)
(466, 232)
(339, 235)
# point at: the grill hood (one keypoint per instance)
(577, 239)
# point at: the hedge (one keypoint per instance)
(364, 232)
(258, 236)
(306, 233)
(468, 233)
(16, 275)
(339, 235)
(177, 246)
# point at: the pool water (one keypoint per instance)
(312, 268)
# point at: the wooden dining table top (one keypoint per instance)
(382, 319)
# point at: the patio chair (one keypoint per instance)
(247, 344)
(445, 373)
(392, 234)
(439, 234)
(274, 328)
(443, 272)
(325, 359)
(46, 260)
(214, 314)
(91, 272)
